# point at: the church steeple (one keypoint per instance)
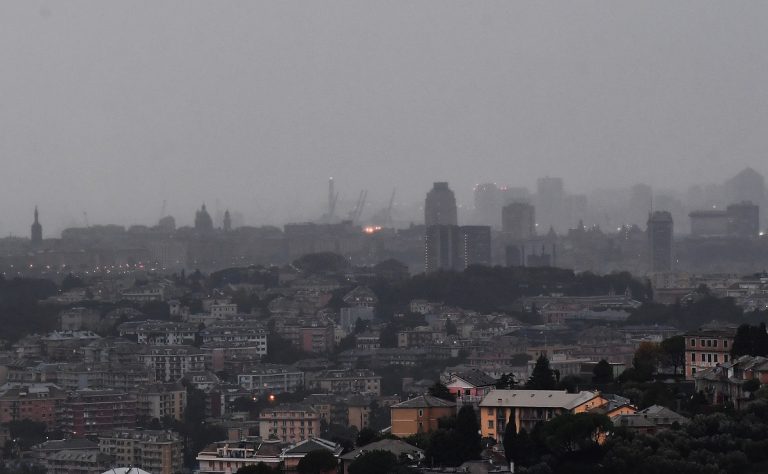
(37, 230)
(203, 221)
(227, 221)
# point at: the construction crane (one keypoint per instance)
(389, 220)
(357, 211)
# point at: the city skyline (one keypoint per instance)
(196, 104)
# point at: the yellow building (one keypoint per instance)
(419, 415)
(526, 408)
(289, 423)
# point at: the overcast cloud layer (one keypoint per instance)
(113, 107)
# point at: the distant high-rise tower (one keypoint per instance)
(443, 247)
(476, 244)
(660, 241)
(518, 221)
(203, 221)
(37, 231)
(227, 221)
(440, 206)
(488, 200)
(550, 202)
(743, 219)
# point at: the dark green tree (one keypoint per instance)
(259, 468)
(750, 340)
(468, 430)
(441, 391)
(319, 461)
(367, 436)
(542, 377)
(646, 360)
(672, 352)
(603, 372)
(506, 381)
(518, 447)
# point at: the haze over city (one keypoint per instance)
(113, 108)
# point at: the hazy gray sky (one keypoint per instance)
(113, 107)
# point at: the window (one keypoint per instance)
(725, 357)
(715, 358)
(490, 424)
(693, 370)
(714, 343)
(703, 357)
(701, 343)
(693, 342)
(693, 357)
(709, 342)
(725, 344)
(709, 358)
(421, 412)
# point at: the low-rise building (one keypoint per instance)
(419, 415)
(526, 408)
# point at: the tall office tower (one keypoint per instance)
(476, 244)
(36, 231)
(440, 206)
(660, 241)
(443, 247)
(518, 221)
(488, 202)
(747, 185)
(550, 202)
(640, 202)
(743, 219)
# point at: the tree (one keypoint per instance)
(646, 360)
(445, 448)
(323, 262)
(506, 381)
(441, 391)
(574, 432)
(468, 430)
(259, 468)
(374, 462)
(750, 340)
(672, 352)
(319, 461)
(518, 447)
(367, 436)
(603, 372)
(542, 376)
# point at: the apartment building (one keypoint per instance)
(272, 378)
(155, 451)
(289, 423)
(707, 348)
(526, 408)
